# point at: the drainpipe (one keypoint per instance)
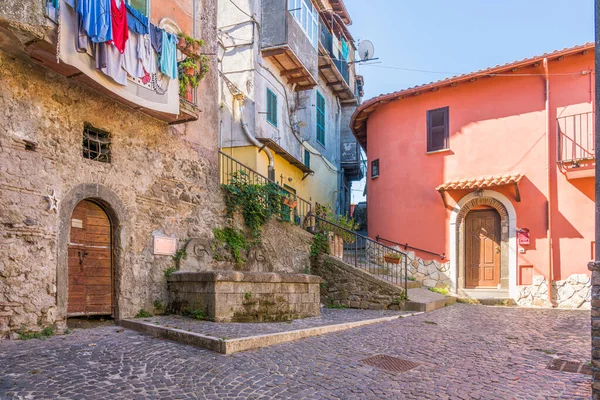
(549, 180)
(256, 142)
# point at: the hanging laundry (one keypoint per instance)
(114, 64)
(168, 59)
(136, 21)
(345, 49)
(96, 15)
(81, 40)
(132, 57)
(147, 54)
(119, 24)
(100, 55)
(156, 38)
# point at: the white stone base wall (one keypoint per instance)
(430, 273)
(573, 292)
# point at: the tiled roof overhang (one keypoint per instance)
(483, 182)
(358, 122)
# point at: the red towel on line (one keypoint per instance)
(119, 24)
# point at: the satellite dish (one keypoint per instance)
(366, 50)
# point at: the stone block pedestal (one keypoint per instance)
(231, 296)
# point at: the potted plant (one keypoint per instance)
(289, 202)
(181, 44)
(393, 258)
(191, 72)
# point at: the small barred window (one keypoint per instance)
(96, 144)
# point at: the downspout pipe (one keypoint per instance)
(549, 178)
(255, 142)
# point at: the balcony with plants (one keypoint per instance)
(336, 51)
(58, 42)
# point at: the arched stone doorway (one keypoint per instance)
(90, 286)
(99, 202)
(490, 205)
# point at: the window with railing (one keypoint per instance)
(308, 18)
(575, 137)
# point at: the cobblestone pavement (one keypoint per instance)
(466, 351)
(238, 330)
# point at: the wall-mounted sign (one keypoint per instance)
(523, 236)
(76, 223)
(164, 245)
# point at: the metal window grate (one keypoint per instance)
(389, 363)
(569, 366)
(96, 144)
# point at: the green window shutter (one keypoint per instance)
(140, 5)
(320, 118)
(271, 107)
(307, 158)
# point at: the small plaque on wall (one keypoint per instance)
(164, 245)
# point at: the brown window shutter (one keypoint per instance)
(438, 129)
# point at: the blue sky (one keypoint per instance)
(460, 36)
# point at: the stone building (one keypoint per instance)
(288, 87)
(93, 173)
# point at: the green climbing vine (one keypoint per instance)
(257, 203)
(234, 240)
(320, 245)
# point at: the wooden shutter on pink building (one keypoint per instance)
(438, 129)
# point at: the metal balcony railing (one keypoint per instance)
(326, 39)
(294, 209)
(575, 137)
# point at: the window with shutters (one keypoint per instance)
(438, 130)
(140, 5)
(374, 168)
(320, 118)
(271, 108)
(307, 158)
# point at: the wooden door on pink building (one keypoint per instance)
(482, 253)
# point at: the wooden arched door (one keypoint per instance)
(482, 253)
(90, 289)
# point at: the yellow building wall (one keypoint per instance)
(321, 187)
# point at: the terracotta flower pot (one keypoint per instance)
(392, 260)
(181, 44)
(189, 71)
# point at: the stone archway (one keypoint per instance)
(508, 259)
(504, 247)
(115, 211)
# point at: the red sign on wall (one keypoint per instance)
(523, 236)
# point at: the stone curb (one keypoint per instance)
(230, 346)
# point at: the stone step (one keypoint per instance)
(424, 300)
(501, 301)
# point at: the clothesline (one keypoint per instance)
(123, 41)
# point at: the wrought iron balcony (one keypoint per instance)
(335, 69)
(576, 144)
(351, 161)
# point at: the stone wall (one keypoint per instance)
(345, 285)
(284, 248)
(573, 292)
(161, 178)
(430, 273)
(228, 296)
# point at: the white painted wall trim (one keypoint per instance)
(512, 239)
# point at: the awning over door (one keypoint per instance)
(483, 182)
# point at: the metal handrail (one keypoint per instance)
(406, 247)
(365, 253)
(575, 139)
(229, 166)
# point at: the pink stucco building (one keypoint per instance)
(495, 170)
